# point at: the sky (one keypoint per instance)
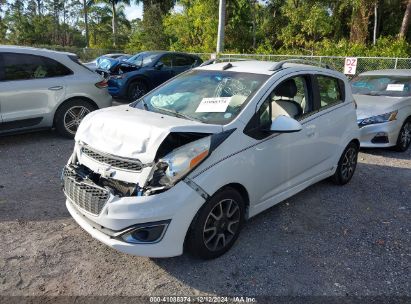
(134, 11)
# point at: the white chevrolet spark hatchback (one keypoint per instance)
(187, 164)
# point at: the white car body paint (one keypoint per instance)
(270, 169)
(369, 106)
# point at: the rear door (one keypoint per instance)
(29, 90)
(182, 63)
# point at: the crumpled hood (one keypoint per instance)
(133, 133)
(368, 106)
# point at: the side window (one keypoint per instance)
(55, 69)
(291, 98)
(330, 90)
(167, 60)
(181, 60)
(25, 66)
(1, 67)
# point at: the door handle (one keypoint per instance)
(55, 88)
(310, 131)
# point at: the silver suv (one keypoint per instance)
(44, 89)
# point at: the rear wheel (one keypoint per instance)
(217, 225)
(404, 137)
(136, 89)
(346, 165)
(69, 116)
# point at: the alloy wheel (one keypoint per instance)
(405, 135)
(222, 224)
(349, 163)
(73, 118)
(138, 91)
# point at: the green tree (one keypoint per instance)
(114, 15)
(193, 29)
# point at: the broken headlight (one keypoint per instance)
(179, 162)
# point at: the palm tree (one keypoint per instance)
(113, 4)
(165, 5)
(405, 21)
(86, 6)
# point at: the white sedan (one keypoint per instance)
(384, 108)
(187, 164)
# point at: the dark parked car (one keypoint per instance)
(134, 77)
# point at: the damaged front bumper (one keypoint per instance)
(153, 225)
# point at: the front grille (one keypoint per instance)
(85, 194)
(116, 162)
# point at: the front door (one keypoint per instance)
(30, 87)
(287, 160)
(163, 70)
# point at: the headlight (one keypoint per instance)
(178, 163)
(378, 119)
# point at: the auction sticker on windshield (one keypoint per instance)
(213, 105)
(395, 87)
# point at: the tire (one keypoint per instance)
(404, 137)
(217, 225)
(136, 89)
(346, 165)
(69, 116)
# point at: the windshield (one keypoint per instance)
(142, 59)
(214, 97)
(396, 86)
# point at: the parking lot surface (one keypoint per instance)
(352, 240)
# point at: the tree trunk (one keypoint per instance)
(85, 8)
(39, 9)
(114, 23)
(405, 21)
(374, 36)
(253, 7)
(359, 22)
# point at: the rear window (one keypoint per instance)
(76, 60)
(18, 66)
(181, 60)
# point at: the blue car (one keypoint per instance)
(132, 78)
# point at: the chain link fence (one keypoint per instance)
(336, 62)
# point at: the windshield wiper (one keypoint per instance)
(144, 104)
(179, 114)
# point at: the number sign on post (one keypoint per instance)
(350, 65)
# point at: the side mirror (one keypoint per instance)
(285, 124)
(159, 65)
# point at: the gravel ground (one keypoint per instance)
(327, 240)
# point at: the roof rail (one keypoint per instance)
(279, 65)
(224, 59)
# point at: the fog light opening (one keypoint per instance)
(145, 235)
(380, 138)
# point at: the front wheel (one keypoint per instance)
(217, 225)
(404, 137)
(346, 165)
